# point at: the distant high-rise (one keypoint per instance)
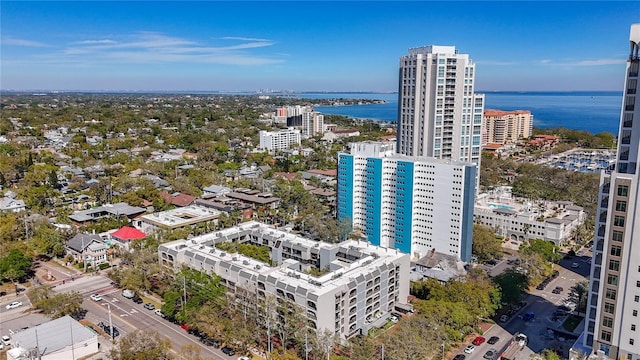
(613, 306)
(503, 127)
(439, 115)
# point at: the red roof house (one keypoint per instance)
(126, 234)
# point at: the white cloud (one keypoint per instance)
(156, 47)
(244, 38)
(7, 40)
(597, 62)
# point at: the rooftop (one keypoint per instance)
(52, 336)
(187, 215)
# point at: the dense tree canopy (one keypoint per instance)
(485, 244)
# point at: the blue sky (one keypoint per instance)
(308, 45)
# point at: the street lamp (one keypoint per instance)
(110, 323)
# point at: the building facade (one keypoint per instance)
(413, 204)
(519, 219)
(279, 140)
(360, 286)
(504, 127)
(613, 323)
(439, 115)
(312, 123)
(191, 216)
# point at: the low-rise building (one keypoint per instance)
(123, 236)
(279, 140)
(179, 218)
(255, 198)
(333, 135)
(10, 203)
(87, 248)
(520, 219)
(360, 286)
(178, 199)
(119, 209)
(60, 339)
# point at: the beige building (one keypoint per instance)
(504, 127)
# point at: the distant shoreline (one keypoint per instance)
(290, 93)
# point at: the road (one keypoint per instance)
(126, 315)
(543, 303)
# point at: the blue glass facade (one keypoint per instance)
(373, 200)
(466, 225)
(344, 208)
(404, 211)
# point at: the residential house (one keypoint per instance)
(178, 199)
(123, 236)
(87, 248)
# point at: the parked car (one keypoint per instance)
(575, 265)
(159, 313)
(491, 354)
(228, 351)
(6, 340)
(493, 340)
(96, 297)
(557, 290)
(149, 306)
(137, 299)
(459, 357)
(128, 293)
(528, 316)
(109, 329)
(504, 318)
(469, 349)
(478, 340)
(14, 305)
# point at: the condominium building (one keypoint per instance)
(413, 204)
(519, 219)
(503, 127)
(359, 286)
(613, 320)
(439, 115)
(279, 140)
(191, 216)
(312, 123)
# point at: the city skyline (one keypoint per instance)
(306, 46)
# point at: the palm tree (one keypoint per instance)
(581, 289)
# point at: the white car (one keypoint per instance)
(159, 312)
(244, 358)
(6, 340)
(469, 349)
(96, 297)
(14, 305)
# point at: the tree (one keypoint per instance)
(141, 345)
(581, 290)
(14, 266)
(485, 244)
(512, 284)
(548, 250)
(57, 305)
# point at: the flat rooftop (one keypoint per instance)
(187, 215)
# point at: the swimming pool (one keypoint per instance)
(500, 206)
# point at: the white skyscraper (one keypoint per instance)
(613, 306)
(439, 115)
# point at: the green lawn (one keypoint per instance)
(571, 322)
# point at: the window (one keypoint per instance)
(633, 327)
(636, 298)
(612, 279)
(610, 294)
(630, 341)
(617, 235)
(605, 335)
(623, 190)
(616, 250)
(614, 265)
(621, 205)
(635, 313)
(618, 221)
(607, 322)
(609, 308)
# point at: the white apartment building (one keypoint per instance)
(188, 216)
(520, 219)
(279, 140)
(364, 283)
(439, 114)
(613, 321)
(504, 127)
(413, 204)
(312, 123)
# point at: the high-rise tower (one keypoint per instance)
(613, 306)
(439, 115)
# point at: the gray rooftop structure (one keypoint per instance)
(56, 339)
(106, 210)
